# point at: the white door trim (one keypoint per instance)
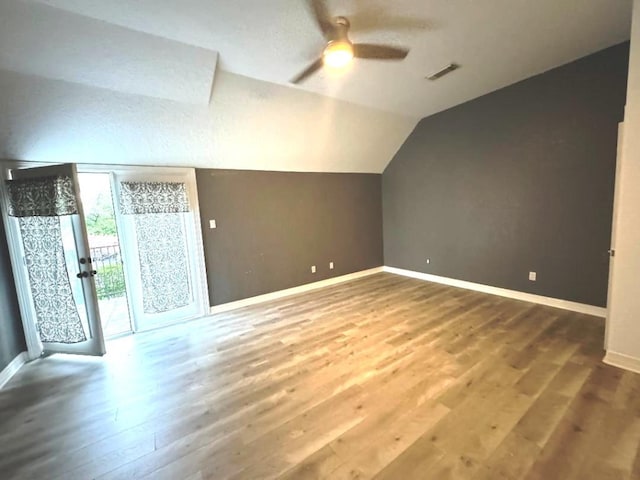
(614, 224)
(16, 254)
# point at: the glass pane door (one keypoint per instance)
(157, 214)
(106, 255)
(45, 213)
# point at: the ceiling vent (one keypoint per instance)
(442, 72)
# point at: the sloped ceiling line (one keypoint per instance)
(497, 42)
(145, 95)
(52, 43)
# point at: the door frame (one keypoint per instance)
(25, 301)
(614, 224)
(16, 252)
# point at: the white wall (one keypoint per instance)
(40, 40)
(249, 124)
(77, 89)
(623, 329)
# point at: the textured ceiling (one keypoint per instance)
(132, 81)
(40, 40)
(74, 88)
(497, 42)
(249, 124)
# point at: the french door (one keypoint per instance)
(51, 261)
(159, 229)
(157, 218)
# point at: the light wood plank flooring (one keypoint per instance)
(384, 377)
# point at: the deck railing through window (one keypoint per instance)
(107, 262)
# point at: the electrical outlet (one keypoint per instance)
(212, 224)
(533, 276)
(313, 269)
(330, 265)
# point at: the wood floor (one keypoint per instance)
(385, 377)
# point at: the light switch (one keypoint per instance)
(212, 224)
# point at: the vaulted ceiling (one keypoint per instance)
(497, 42)
(134, 81)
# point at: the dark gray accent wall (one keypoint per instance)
(518, 180)
(11, 333)
(272, 226)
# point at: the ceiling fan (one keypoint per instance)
(339, 50)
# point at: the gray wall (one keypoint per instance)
(11, 334)
(272, 226)
(518, 180)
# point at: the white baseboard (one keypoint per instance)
(621, 360)
(13, 367)
(503, 292)
(225, 307)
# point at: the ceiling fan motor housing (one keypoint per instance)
(341, 30)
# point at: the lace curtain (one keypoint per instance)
(57, 315)
(39, 203)
(162, 246)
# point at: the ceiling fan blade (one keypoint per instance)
(310, 70)
(379, 52)
(322, 17)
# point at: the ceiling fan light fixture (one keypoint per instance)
(338, 54)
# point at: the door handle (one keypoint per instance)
(83, 275)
